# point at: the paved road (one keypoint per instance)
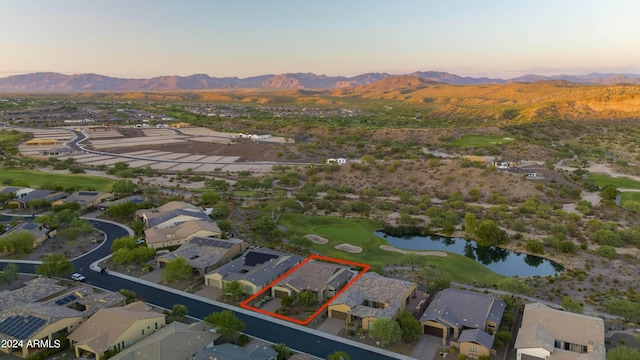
(273, 330)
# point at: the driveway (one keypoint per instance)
(427, 347)
(331, 326)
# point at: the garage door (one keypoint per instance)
(430, 330)
(281, 294)
(338, 315)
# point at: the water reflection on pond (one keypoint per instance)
(501, 261)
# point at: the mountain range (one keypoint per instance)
(49, 81)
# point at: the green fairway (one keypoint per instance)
(479, 141)
(628, 196)
(359, 232)
(37, 178)
(621, 183)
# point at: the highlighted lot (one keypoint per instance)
(296, 276)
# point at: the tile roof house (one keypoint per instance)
(42, 309)
(39, 231)
(323, 279)
(86, 199)
(45, 195)
(255, 269)
(452, 313)
(171, 214)
(372, 297)
(550, 334)
(174, 341)
(254, 351)
(475, 342)
(204, 254)
(115, 328)
(178, 235)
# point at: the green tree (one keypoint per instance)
(502, 338)
(535, 246)
(209, 198)
(625, 308)
(571, 305)
(307, 298)
(411, 328)
(470, 224)
(179, 311)
(413, 259)
(129, 294)
(284, 352)
(225, 322)
(608, 252)
(123, 211)
(54, 265)
(622, 352)
(124, 187)
(338, 355)
(609, 192)
(489, 233)
(20, 242)
(177, 270)
(387, 331)
(234, 289)
(9, 274)
(287, 301)
(127, 242)
(225, 225)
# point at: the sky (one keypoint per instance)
(147, 38)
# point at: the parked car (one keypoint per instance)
(140, 242)
(78, 277)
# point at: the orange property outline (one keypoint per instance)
(245, 304)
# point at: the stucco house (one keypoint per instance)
(550, 334)
(255, 269)
(372, 297)
(115, 328)
(171, 214)
(203, 254)
(323, 279)
(39, 231)
(86, 199)
(455, 314)
(180, 234)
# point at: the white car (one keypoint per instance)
(77, 277)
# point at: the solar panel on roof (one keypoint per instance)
(66, 299)
(254, 258)
(21, 327)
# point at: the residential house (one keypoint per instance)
(372, 297)
(61, 151)
(115, 328)
(254, 351)
(136, 199)
(453, 315)
(171, 214)
(323, 279)
(36, 195)
(174, 341)
(255, 269)
(40, 232)
(42, 309)
(204, 254)
(41, 142)
(550, 334)
(86, 199)
(178, 235)
(475, 343)
(179, 125)
(9, 190)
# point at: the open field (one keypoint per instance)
(37, 178)
(618, 182)
(479, 141)
(359, 232)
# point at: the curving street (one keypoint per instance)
(261, 326)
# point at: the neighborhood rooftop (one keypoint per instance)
(258, 266)
(464, 308)
(376, 288)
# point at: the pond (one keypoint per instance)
(501, 261)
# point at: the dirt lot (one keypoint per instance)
(247, 150)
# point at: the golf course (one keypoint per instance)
(359, 232)
(38, 178)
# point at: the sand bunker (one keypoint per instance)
(316, 239)
(349, 248)
(423, 253)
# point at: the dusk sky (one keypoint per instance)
(141, 39)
